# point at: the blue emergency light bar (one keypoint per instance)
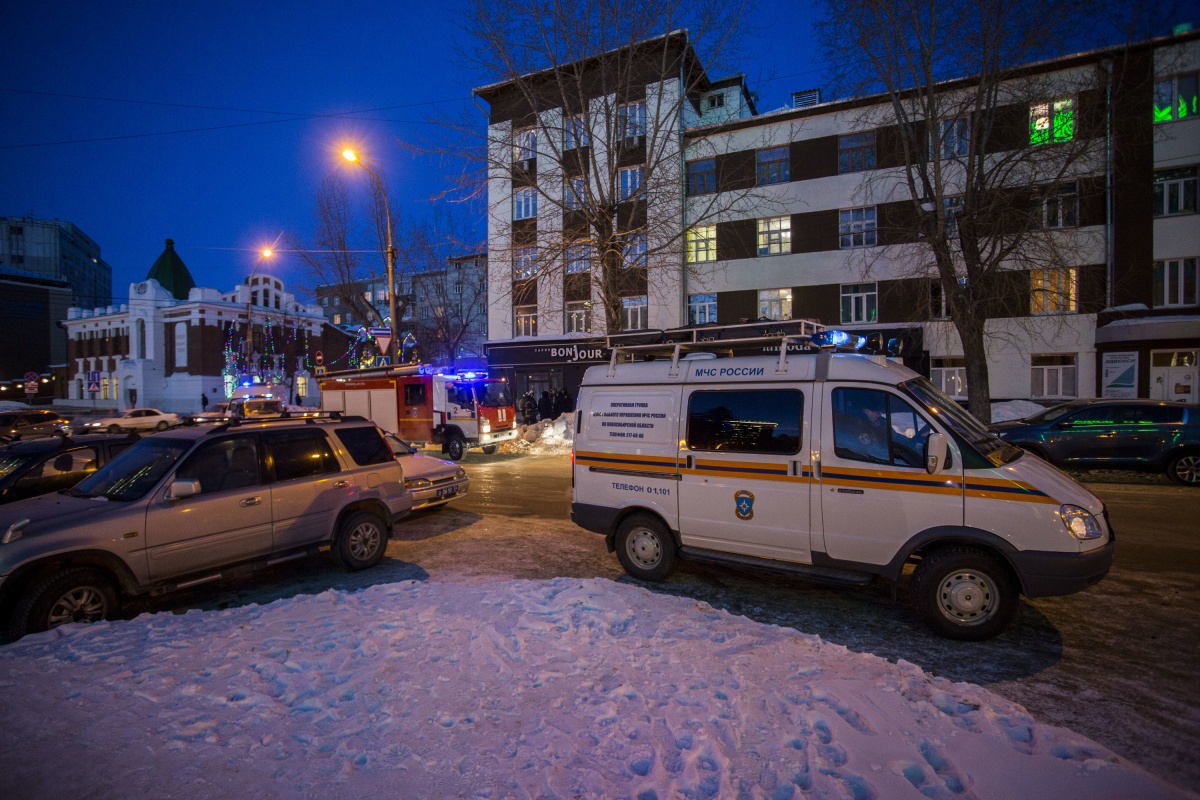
(837, 339)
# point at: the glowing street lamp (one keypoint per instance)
(353, 158)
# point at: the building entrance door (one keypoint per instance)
(1173, 376)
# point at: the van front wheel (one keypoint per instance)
(964, 593)
(645, 548)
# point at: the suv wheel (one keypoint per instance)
(361, 541)
(645, 548)
(456, 448)
(79, 594)
(964, 593)
(1185, 468)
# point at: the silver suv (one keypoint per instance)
(184, 507)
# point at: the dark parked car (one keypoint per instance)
(39, 466)
(1125, 434)
(27, 424)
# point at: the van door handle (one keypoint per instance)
(690, 462)
(341, 484)
(251, 501)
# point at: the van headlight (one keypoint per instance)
(485, 425)
(1080, 522)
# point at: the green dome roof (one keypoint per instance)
(171, 273)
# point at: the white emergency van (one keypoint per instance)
(834, 466)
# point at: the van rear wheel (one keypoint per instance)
(645, 548)
(964, 593)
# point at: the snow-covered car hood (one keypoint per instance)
(418, 465)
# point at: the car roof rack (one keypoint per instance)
(322, 417)
(724, 347)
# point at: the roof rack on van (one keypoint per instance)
(726, 346)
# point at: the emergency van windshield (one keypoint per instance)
(493, 395)
(960, 421)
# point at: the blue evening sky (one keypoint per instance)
(222, 191)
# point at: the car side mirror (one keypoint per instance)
(64, 463)
(937, 449)
(183, 488)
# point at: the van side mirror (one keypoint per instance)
(183, 488)
(936, 452)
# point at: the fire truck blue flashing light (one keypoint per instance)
(837, 339)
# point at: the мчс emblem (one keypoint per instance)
(743, 504)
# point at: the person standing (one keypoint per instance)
(544, 406)
(203, 402)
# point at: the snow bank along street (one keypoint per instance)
(560, 688)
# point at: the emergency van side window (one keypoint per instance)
(878, 427)
(746, 421)
(414, 394)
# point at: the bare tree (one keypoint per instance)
(582, 162)
(994, 157)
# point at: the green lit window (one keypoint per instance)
(1052, 122)
(1176, 98)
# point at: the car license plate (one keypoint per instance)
(448, 491)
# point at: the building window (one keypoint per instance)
(856, 227)
(525, 203)
(1052, 291)
(579, 316)
(954, 138)
(579, 259)
(774, 236)
(633, 250)
(631, 123)
(380, 295)
(104, 389)
(526, 321)
(181, 344)
(702, 176)
(856, 152)
(716, 100)
(337, 319)
(859, 302)
(1175, 192)
(702, 244)
(950, 375)
(524, 263)
(939, 306)
(1060, 208)
(1052, 376)
(951, 209)
(1052, 122)
(774, 303)
(634, 309)
(337, 301)
(1175, 283)
(574, 193)
(772, 165)
(702, 309)
(325, 302)
(630, 182)
(525, 144)
(1175, 98)
(576, 134)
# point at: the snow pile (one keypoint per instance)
(12, 405)
(546, 437)
(562, 688)
(1015, 409)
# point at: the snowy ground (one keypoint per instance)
(560, 688)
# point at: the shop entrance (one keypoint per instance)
(1173, 376)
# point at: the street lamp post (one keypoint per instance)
(351, 156)
(263, 255)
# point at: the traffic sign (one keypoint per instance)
(319, 357)
(31, 376)
(319, 370)
(31, 387)
(93, 385)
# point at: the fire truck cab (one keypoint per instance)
(424, 406)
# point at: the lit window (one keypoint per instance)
(1175, 98)
(525, 203)
(949, 375)
(525, 144)
(525, 321)
(1175, 192)
(702, 309)
(774, 236)
(337, 319)
(1052, 122)
(579, 259)
(1052, 376)
(856, 152)
(630, 182)
(859, 302)
(702, 176)
(1060, 208)
(574, 193)
(702, 244)
(954, 138)
(1175, 283)
(634, 310)
(631, 123)
(524, 263)
(772, 165)
(856, 227)
(576, 134)
(1052, 291)
(579, 316)
(774, 303)
(633, 250)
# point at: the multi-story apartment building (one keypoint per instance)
(801, 214)
(60, 251)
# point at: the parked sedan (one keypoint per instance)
(40, 466)
(135, 419)
(1124, 434)
(432, 481)
(27, 424)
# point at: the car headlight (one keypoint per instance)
(1080, 522)
(460, 474)
(417, 483)
(485, 425)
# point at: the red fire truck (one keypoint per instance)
(423, 405)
